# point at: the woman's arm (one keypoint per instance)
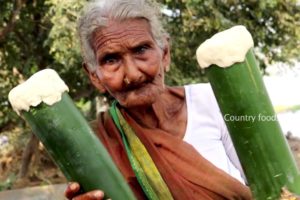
(230, 150)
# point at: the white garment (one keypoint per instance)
(206, 130)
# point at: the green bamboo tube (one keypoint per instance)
(75, 148)
(260, 144)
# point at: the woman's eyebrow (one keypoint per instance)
(142, 43)
(104, 52)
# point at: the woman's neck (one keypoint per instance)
(168, 112)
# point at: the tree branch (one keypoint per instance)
(13, 19)
(30, 150)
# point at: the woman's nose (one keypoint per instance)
(132, 73)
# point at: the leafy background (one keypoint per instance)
(38, 34)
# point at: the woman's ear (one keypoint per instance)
(166, 54)
(94, 78)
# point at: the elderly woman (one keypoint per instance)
(168, 142)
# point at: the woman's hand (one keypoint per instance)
(73, 189)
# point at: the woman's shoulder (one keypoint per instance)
(200, 93)
(199, 87)
(200, 100)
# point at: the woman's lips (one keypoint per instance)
(136, 86)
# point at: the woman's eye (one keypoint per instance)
(109, 59)
(141, 49)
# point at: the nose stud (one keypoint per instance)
(126, 81)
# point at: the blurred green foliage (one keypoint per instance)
(38, 34)
(274, 25)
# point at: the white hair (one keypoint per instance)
(97, 13)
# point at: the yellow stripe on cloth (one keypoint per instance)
(150, 174)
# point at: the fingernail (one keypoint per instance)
(98, 194)
(74, 186)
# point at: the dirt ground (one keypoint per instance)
(42, 171)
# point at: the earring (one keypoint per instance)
(167, 68)
(126, 81)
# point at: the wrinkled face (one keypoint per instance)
(130, 63)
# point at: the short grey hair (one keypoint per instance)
(97, 13)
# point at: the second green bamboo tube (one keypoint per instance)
(257, 136)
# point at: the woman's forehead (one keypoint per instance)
(129, 32)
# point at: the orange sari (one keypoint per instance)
(187, 174)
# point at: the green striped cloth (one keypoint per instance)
(141, 162)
